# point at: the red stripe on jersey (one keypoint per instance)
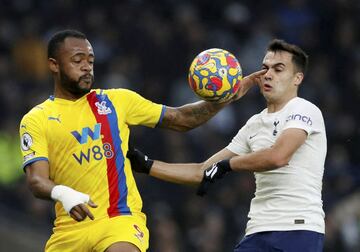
(112, 173)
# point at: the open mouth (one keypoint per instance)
(267, 87)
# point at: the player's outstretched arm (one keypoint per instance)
(190, 173)
(214, 168)
(212, 173)
(181, 173)
(37, 177)
(192, 115)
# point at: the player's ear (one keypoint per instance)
(298, 78)
(53, 65)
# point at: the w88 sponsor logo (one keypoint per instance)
(94, 153)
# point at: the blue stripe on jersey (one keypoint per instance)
(119, 155)
(163, 110)
(34, 160)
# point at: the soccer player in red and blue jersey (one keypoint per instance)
(74, 146)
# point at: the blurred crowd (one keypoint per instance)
(147, 46)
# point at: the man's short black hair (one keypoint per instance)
(299, 57)
(59, 38)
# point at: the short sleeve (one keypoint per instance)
(140, 111)
(239, 143)
(305, 116)
(33, 141)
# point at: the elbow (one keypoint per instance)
(278, 160)
(200, 173)
(180, 126)
(33, 187)
(34, 184)
(183, 127)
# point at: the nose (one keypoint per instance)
(87, 67)
(267, 75)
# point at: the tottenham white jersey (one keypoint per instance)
(287, 198)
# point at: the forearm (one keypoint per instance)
(258, 161)
(278, 155)
(177, 173)
(41, 187)
(190, 115)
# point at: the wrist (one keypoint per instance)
(148, 164)
(226, 164)
(68, 197)
(57, 191)
(218, 105)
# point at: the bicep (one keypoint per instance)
(289, 142)
(190, 115)
(171, 116)
(37, 169)
(180, 118)
(38, 180)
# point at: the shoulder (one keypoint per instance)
(37, 116)
(305, 113)
(120, 95)
(116, 92)
(299, 102)
(303, 107)
(38, 111)
(255, 117)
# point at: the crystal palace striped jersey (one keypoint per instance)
(85, 142)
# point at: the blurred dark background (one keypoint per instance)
(147, 46)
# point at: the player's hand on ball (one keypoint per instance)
(248, 82)
(213, 173)
(139, 161)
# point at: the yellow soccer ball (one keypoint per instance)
(215, 75)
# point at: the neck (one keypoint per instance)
(64, 94)
(277, 105)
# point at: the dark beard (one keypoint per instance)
(73, 86)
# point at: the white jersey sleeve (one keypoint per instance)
(304, 116)
(239, 144)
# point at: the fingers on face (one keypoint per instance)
(261, 72)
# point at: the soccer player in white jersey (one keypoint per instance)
(285, 146)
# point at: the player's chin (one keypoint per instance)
(85, 85)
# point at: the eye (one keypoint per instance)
(77, 61)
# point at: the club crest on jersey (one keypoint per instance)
(276, 122)
(102, 109)
(26, 142)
